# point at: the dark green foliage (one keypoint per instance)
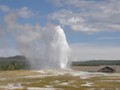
(14, 63)
(96, 63)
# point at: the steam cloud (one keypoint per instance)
(45, 47)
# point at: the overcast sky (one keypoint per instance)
(92, 27)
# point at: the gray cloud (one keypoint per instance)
(4, 8)
(89, 16)
(5, 52)
(88, 51)
(108, 38)
(3, 40)
(25, 12)
(25, 32)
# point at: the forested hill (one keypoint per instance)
(13, 63)
(96, 62)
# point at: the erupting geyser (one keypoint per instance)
(58, 49)
(45, 47)
(52, 50)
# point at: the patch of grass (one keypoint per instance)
(21, 89)
(65, 82)
(16, 73)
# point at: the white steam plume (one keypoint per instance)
(45, 47)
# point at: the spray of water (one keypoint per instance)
(45, 47)
(58, 48)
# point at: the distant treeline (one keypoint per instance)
(14, 63)
(96, 62)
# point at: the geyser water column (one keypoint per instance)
(62, 46)
(58, 49)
